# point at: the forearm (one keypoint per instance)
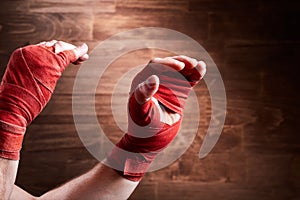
(8, 171)
(101, 182)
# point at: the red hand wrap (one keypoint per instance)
(26, 87)
(147, 134)
(174, 86)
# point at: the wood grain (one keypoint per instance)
(255, 45)
(67, 6)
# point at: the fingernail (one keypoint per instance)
(202, 63)
(194, 62)
(181, 64)
(152, 81)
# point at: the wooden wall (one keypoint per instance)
(256, 46)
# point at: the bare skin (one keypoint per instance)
(8, 168)
(101, 182)
(8, 172)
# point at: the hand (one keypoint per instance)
(27, 86)
(157, 98)
(60, 46)
(177, 68)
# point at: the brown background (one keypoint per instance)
(254, 43)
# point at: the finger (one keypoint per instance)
(50, 43)
(189, 62)
(81, 52)
(84, 57)
(175, 64)
(198, 72)
(146, 89)
(81, 59)
(41, 43)
(194, 70)
(202, 68)
(78, 52)
(71, 56)
(61, 46)
(47, 43)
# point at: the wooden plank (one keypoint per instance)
(69, 6)
(220, 5)
(8, 7)
(255, 45)
(167, 5)
(48, 137)
(26, 28)
(194, 25)
(49, 169)
(3, 60)
(242, 6)
(253, 25)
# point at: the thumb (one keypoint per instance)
(81, 51)
(146, 89)
(76, 55)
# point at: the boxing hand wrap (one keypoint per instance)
(26, 87)
(174, 87)
(147, 133)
